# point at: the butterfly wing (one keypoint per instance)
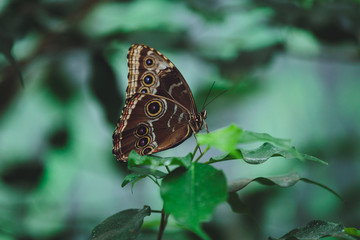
(149, 124)
(151, 72)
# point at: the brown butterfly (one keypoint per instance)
(159, 111)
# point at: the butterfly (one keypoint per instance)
(159, 111)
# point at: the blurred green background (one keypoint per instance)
(290, 68)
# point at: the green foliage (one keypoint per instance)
(229, 137)
(191, 195)
(227, 140)
(315, 230)
(139, 173)
(280, 181)
(124, 225)
(263, 153)
(192, 190)
(136, 159)
(352, 232)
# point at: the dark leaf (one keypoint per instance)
(124, 225)
(236, 204)
(8, 93)
(281, 181)
(104, 85)
(60, 137)
(6, 44)
(59, 84)
(315, 230)
(23, 176)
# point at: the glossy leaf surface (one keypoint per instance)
(191, 195)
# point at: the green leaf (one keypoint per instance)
(280, 181)
(135, 160)
(130, 178)
(314, 230)
(124, 225)
(352, 231)
(227, 139)
(264, 152)
(142, 172)
(249, 137)
(191, 195)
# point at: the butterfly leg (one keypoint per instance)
(193, 129)
(206, 127)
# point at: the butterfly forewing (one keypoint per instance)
(151, 72)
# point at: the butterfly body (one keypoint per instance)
(159, 111)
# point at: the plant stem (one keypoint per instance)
(156, 211)
(163, 222)
(154, 180)
(202, 154)
(196, 148)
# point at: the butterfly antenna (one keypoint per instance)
(221, 93)
(207, 96)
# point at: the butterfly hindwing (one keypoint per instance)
(149, 124)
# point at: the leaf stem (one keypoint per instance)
(193, 154)
(167, 168)
(202, 154)
(163, 222)
(154, 180)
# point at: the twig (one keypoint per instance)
(163, 222)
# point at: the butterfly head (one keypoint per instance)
(198, 121)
